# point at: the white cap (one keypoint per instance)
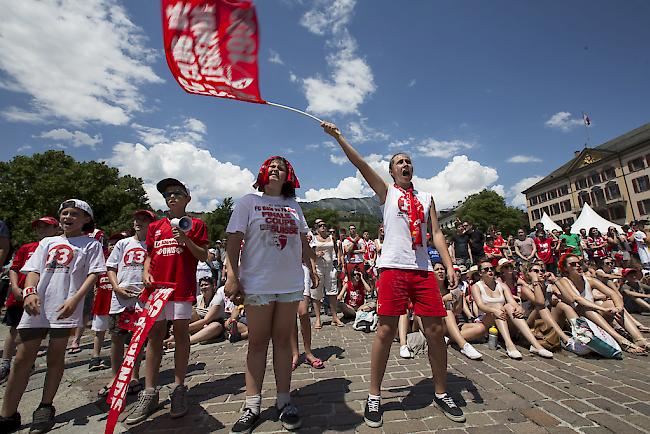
(78, 203)
(213, 251)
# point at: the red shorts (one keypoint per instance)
(397, 287)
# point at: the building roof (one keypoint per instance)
(616, 145)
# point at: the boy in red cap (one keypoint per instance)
(173, 255)
(44, 227)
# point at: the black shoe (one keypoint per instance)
(104, 364)
(289, 417)
(42, 419)
(233, 333)
(246, 422)
(10, 424)
(95, 364)
(372, 414)
(449, 408)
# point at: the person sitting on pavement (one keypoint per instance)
(500, 307)
(636, 295)
(459, 333)
(576, 290)
(353, 295)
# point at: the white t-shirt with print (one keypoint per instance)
(397, 251)
(63, 265)
(127, 258)
(201, 309)
(221, 299)
(271, 259)
(353, 258)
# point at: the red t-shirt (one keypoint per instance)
(598, 253)
(22, 255)
(499, 241)
(355, 295)
(544, 249)
(491, 251)
(171, 262)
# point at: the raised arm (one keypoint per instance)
(372, 178)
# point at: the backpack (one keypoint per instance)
(365, 321)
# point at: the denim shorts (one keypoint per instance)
(264, 299)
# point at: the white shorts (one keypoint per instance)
(327, 277)
(100, 323)
(315, 293)
(176, 310)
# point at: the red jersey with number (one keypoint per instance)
(172, 262)
(22, 255)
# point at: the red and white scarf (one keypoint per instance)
(415, 215)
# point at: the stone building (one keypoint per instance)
(613, 178)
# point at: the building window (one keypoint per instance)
(595, 178)
(583, 197)
(581, 183)
(609, 173)
(612, 191)
(565, 206)
(533, 200)
(617, 212)
(552, 194)
(636, 164)
(542, 197)
(641, 184)
(563, 190)
(598, 197)
(535, 214)
(555, 208)
(546, 210)
(644, 206)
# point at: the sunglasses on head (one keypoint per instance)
(177, 193)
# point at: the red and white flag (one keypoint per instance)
(211, 47)
(586, 119)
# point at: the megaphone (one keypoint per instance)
(184, 223)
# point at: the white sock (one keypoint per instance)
(282, 399)
(254, 402)
(374, 397)
(441, 395)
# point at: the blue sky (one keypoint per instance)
(482, 94)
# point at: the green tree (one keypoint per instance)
(489, 208)
(217, 220)
(330, 216)
(33, 186)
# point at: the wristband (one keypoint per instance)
(30, 290)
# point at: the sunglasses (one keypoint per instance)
(535, 270)
(169, 194)
(321, 225)
(487, 269)
(575, 264)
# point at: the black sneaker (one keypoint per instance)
(289, 417)
(372, 414)
(246, 422)
(449, 408)
(42, 419)
(95, 364)
(11, 423)
(104, 364)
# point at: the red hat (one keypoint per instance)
(47, 220)
(627, 271)
(153, 217)
(263, 175)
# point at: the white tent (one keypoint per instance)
(549, 224)
(591, 219)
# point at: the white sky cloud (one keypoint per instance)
(360, 132)
(190, 130)
(196, 125)
(208, 178)
(412, 83)
(80, 61)
(274, 57)
(524, 159)
(442, 148)
(399, 144)
(517, 198)
(77, 138)
(351, 80)
(338, 159)
(563, 121)
(458, 179)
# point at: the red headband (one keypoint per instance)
(263, 175)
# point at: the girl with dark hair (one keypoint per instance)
(576, 290)
(597, 244)
(268, 280)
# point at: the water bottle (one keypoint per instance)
(493, 338)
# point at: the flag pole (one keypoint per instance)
(295, 110)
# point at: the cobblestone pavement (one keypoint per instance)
(567, 394)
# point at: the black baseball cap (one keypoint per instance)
(162, 185)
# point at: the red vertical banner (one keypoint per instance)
(116, 397)
(211, 47)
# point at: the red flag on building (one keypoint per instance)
(211, 47)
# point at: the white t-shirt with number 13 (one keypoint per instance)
(63, 264)
(127, 258)
(271, 261)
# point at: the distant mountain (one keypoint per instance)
(363, 205)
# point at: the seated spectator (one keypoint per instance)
(576, 290)
(606, 274)
(636, 295)
(597, 245)
(459, 331)
(499, 307)
(492, 252)
(353, 295)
